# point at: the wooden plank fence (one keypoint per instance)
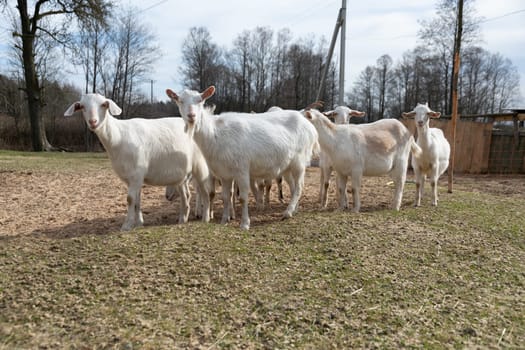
(481, 148)
(507, 152)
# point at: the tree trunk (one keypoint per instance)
(38, 132)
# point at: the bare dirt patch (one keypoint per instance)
(66, 204)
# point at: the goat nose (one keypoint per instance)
(191, 116)
(92, 122)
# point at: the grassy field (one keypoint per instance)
(445, 277)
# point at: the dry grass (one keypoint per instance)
(451, 276)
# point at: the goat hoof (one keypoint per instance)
(286, 215)
(126, 227)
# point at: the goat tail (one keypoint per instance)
(316, 149)
(415, 149)
(311, 152)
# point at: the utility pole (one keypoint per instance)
(342, 55)
(455, 78)
(340, 25)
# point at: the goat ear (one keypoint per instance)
(409, 114)
(308, 115)
(329, 113)
(172, 94)
(315, 104)
(112, 106)
(206, 94)
(72, 109)
(357, 113)
(433, 114)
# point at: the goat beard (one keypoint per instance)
(189, 129)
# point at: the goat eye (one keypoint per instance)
(105, 104)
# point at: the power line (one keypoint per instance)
(154, 5)
(502, 16)
(383, 38)
(311, 11)
(415, 35)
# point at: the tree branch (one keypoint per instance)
(51, 13)
(52, 35)
(36, 14)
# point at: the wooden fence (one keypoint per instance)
(482, 146)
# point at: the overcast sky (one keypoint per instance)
(374, 28)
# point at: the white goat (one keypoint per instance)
(341, 115)
(373, 149)
(172, 192)
(155, 152)
(435, 152)
(266, 185)
(239, 147)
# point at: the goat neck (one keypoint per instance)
(108, 132)
(423, 135)
(326, 131)
(204, 132)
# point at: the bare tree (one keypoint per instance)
(200, 57)
(364, 94)
(502, 83)
(261, 48)
(11, 103)
(383, 77)
(241, 67)
(51, 18)
(438, 36)
(279, 67)
(90, 52)
(306, 61)
(259, 71)
(134, 52)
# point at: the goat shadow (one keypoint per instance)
(159, 215)
(167, 215)
(163, 215)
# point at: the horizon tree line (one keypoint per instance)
(260, 69)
